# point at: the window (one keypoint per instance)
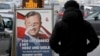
(4, 6)
(6, 19)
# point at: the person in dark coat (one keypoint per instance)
(70, 35)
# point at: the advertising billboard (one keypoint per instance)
(33, 30)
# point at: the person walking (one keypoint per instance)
(69, 36)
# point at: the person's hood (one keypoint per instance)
(72, 15)
(71, 3)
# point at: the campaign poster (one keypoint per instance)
(33, 30)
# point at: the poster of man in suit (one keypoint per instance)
(33, 29)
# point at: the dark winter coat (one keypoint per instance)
(70, 35)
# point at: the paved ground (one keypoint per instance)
(4, 45)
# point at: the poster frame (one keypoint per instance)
(14, 41)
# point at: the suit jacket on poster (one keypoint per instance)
(21, 51)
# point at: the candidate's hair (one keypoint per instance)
(33, 13)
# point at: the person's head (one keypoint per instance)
(33, 23)
(72, 15)
(71, 3)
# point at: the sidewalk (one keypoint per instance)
(4, 55)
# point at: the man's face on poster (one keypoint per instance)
(33, 24)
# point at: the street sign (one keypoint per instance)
(32, 3)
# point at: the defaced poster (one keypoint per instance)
(33, 30)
